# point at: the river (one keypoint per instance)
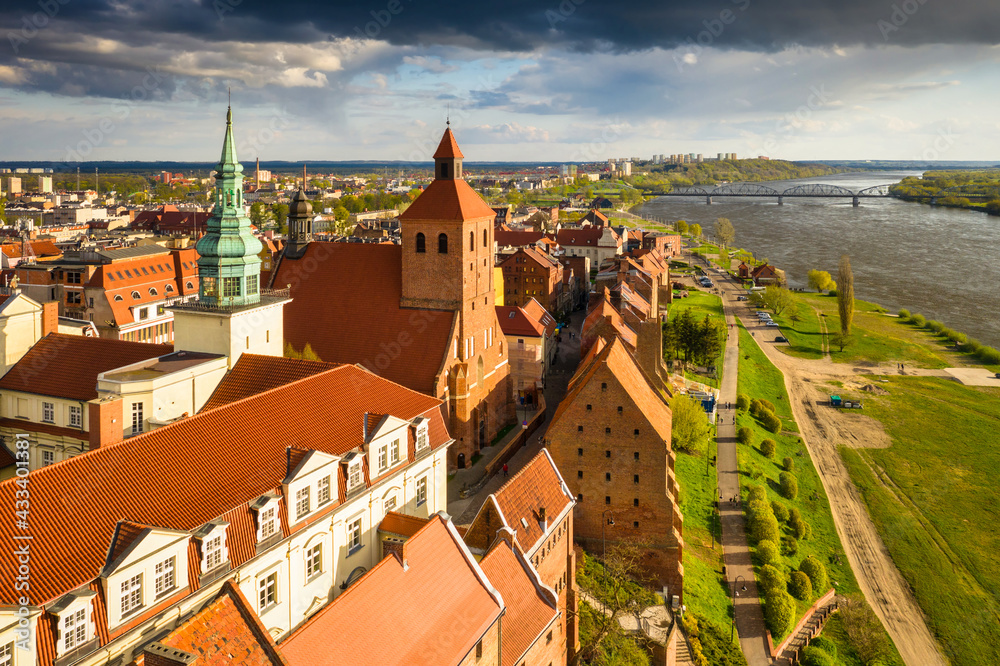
(941, 262)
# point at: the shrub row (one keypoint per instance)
(986, 354)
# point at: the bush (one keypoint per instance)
(788, 464)
(813, 568)
(904, 314)
(958, 337)
(767, 404)
(762, 524)
(744, 435)
(767, 553)
(832, 292)
(973, 346)
(918, 320)
(800, 586)
(768, 447)
(800, 528)
(935, 326)
(757, 494)
(793, 514)
(780, 511)
(779, 612)
(825, 644)
(770, 578)
(742, 402)
(789, 546)
(813, 656)
(789, 485)
(989, 356)
(755, 408)
(771, 422)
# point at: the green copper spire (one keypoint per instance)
(229, 265)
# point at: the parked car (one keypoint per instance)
(741, 298)
(781, 338)
(772, 324)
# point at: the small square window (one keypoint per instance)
(579, 428)
(607, 499)
(607, 476)
(636, 432)
(579, 452)
(635, 502)
(579, 497)
(579, 474)
(604, 386)
(607, 431)
(619, 409)
(607, 454)
(635, 524)
(590, 408)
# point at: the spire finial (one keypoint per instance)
(448, 117)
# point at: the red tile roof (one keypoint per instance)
(150, 478)
(401, 524)
(346, 306)
(225, 632)
(171, 220)
(583, 236)
(46, 428)
(448, 148)
(43, 248)
(603, 310)
(530, 608)
(538, 485)
(448, 200)
(508, 237)
(531, 320)
(256, 373)
(66, 366)
(433, 611)
(146, 279)
(537, 312)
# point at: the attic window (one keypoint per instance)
(190, 285)
(119, 274)
(511, 315)
(128, 273)
(524, 523)
(111, 277)
(169, 288)
(136, 295)
(118, 299)
(153, 292)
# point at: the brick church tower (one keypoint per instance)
(447, 264)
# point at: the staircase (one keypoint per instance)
(811, 628)
(684, 652)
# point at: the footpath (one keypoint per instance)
(749, 617)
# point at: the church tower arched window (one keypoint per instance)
(443, 244)
(421, 244)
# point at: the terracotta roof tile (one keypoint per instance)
(347, 315)
(448, 148)
(583, 236)
(431, 612)
(401, 524)
(448, 200)
(226, 631)
(507, 237)
(537, 312)
(538, 485)
(257, 373)
(150, 478)
(66, 366)
(529, 608)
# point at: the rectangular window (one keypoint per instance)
(354, 479)
(7, 654)
(302, 503)
(422, 438)
(75, 416)
(75, 629)
(635, 479)
(267, 592)
(383, 456)
(136, 418)
(579, 452)
(164, 577)
(268, 524)
(49, 412)
(323, 491)
(209, 287)
(143, 314)
(390, 503)
(213, 553)
(131, 594)
(252, 284)
(421, 490)
(394, 452)
(314, 561)
(48, 458)
(354, 535)
(230, 287)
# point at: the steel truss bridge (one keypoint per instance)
(811, 191)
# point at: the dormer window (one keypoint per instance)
(75, 629)
(131, 589)
(268, 523)
(323, 491)
(394, 452)
(136, 295)
(301, 503)
(165, 579)
(354, 475)
(214, 551)
(423, 441)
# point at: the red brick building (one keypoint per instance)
(531, 274)
(610, 438)
(420, 314)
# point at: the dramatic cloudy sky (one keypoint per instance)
(534, 80)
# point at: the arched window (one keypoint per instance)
(169, 288)
(152, 291)
(118, 299)
(485, 238)
(190, 285)
(136, 295)
(443, 244)
(472, 241)
(421, 244)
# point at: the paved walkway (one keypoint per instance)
(463, 511)
(749, 617)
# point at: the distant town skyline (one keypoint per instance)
(570, 81)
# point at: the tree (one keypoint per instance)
(3, 211)
(280, 214)
(681, 226)
(813, 568)
(763, 526)
(767, 448)
(789, 485)
(724, 231)
(800, 586)
(695, 230)
(690, 430)
(257, 215)
(744, 435)
(779, 611)
(777, 299)
(845, 295)
(821, 281)
(864, 631)
(768, 553)
(840, 339)
(770, 578)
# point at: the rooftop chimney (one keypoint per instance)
(106, 422)
(158, 654)
(50, 317)
(542, 520)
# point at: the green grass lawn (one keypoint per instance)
(702, 303)
(758, 378)
(934, 500)
(705, 591)
(801, 325)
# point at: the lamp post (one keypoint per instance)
(610, 520)
(732, 625)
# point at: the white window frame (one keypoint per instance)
(354, 531)
(75, 416)
(7, 654)
(137, 418)
(389, 503)
(165, 577)
(383, 456)
(48, 457)
(423, 438)
(48, 412)
(131, 595)
(421, 491)
(323, 491)
(267, 519)
(70, 626)
(302, 502)
(394, 452)
(267, 589)
(208, 554)
(314, 561)
(354, 476)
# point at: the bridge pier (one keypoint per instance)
(708, 200)
(856, 202)
(781, 201)
(934, 201)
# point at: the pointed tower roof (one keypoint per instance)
(228, 162)
(448, 148)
